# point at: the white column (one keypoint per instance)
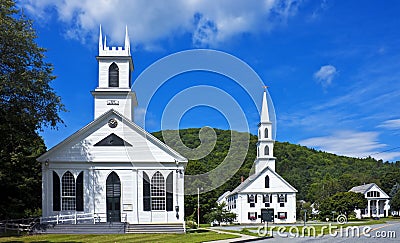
(369, 208)
(377, 208)
(386, 208)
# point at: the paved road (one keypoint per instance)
(389, 232)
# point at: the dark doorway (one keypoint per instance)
(113, 197)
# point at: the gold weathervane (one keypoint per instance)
(265, 87)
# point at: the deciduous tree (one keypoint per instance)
(27, 104)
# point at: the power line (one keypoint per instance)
(384, 151)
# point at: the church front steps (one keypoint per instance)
(100, 228)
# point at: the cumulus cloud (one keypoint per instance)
(325, 75)
(209, 23)
(351, 143)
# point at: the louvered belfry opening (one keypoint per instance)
(113, 75)
(113, 194)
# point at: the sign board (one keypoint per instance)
(267, 215)
(112, 102)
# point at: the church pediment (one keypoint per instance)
(112, 140)
(118, 141)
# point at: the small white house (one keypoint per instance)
(378, 201)
(112, 170)
(265, 189)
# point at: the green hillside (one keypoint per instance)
(314, 174)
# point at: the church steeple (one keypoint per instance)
(114, 85)
(264, 117)
(265, 145)
(127, 42)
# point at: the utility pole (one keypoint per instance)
(198, 207)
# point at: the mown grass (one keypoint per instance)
(190, 237)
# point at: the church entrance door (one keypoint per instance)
(113, 198)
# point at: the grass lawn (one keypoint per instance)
(190, 237)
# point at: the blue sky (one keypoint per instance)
(333, 67)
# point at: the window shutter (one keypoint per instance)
(170, 187)
(56, 192)
(146, 192)
(248, 215)
(255, 198)
(79, 192)
(248, 198)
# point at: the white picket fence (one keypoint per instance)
(76, 218)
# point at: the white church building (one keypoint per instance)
(112, 170)
(265, 190)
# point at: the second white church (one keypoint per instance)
(265, 190)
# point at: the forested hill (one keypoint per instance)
(314, 174)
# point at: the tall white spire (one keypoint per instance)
(127, 42)
(265, 145)
(100, 41)
(264, 117)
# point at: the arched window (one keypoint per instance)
(157, 192)
(266, 150)
(79, 192)
(266, 133)
(56, 192)
(68, 195)
(113, 75)
(267, 181)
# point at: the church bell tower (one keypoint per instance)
(265, 144)
(114, 86)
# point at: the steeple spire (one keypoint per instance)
(264, 117)
(100, 41)
(127, 42)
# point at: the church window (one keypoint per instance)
(282, 198)
(79, 192)
(266, 133)
(266, 181)
(267, 199)
(113, 75)
(146, 192)
(252, 215)
(252, 199)
(170, 187)
(68, 191)
(373, 194)
(282, 215)
(56, 192)
(266, 150)
(157, 187)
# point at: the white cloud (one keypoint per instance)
(391, 124)
(209, 23)
(351, 143)
(325, 75)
